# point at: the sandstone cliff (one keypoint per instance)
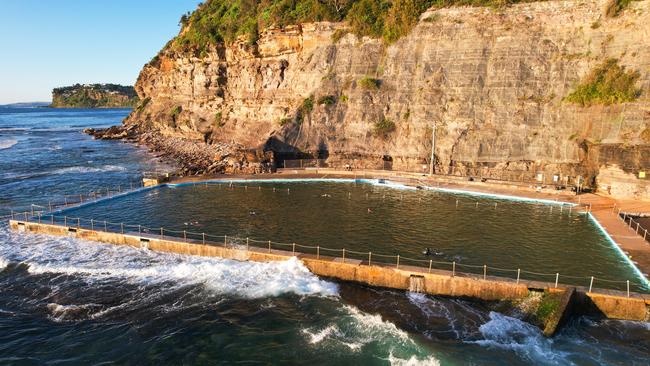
(491, 81)
(94, 96)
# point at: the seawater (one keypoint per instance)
(67, 301)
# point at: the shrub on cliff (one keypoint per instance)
(369, 83)
(383, 128)
(327, 100)
(608, 83)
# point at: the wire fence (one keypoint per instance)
(71, 200)
(422, 166)
(634, 225)
(452, 268)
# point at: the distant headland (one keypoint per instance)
(94, 96)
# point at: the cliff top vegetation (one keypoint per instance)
(218, 21)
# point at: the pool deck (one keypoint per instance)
(603, 209)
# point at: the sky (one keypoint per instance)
(45, 44)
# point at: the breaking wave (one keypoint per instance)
(526, 340)
(7, 143)
(355, 330)
(85, 169)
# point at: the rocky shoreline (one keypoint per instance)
(191, 156)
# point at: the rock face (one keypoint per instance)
(491, 81)
(94, 96)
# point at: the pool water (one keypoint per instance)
(539, 239)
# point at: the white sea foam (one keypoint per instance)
(7, 143)
(353, 329)
(413, 361)
(85, 169)
(3, 263)
(504, 332)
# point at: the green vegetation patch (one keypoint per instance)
(308, 104)
(369, 83)
(384, 128)
(218, 21)
(548, 306)
(608, 83)
(616, 7)
(174, 112)
(327, 100)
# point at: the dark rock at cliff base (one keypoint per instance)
(111, 133)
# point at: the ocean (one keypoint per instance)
(66, 301)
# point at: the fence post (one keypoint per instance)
(318, 252)
(453, 269)
(637, 227)
(247, 244)
(430, 264)
(518, 273)
(557, 278)
(39, 218)
(628, 288)
(185, 235)
(288, 190)
(591, 283)
(122, 227)
(161, 233)
(369, 257)
(49, 205)
(484, 271)
(52, 219)
(225, 238)
(139, 230)
(397, 262)
(78, 222)
(203, 238)
(12, 214)
(343, 255)
(92, 225)
(65, 221)
(269, 246)
(293, 248)
(645, 234)
(105, 226)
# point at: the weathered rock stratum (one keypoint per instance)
(491, 82)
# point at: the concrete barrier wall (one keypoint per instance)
(610, 306)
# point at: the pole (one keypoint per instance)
(484, 271)
(78, 222)
(269, 246)
(161, 233)
(433, 148)
(628, 288)
(139, 230)
(518, 273)
(369, 257)
(430, 264)
(591, 283)
(65, 221)
(293, 248)
(453, 269)
(397, 262)
(557, 278)
(92, 225)
(343, 255)
(225, 238)
(105, 226)
(185, 236)
(122, 227)
(318, 252)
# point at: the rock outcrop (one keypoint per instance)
(491, 82)
(94, 96)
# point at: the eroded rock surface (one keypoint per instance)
(492, 81)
